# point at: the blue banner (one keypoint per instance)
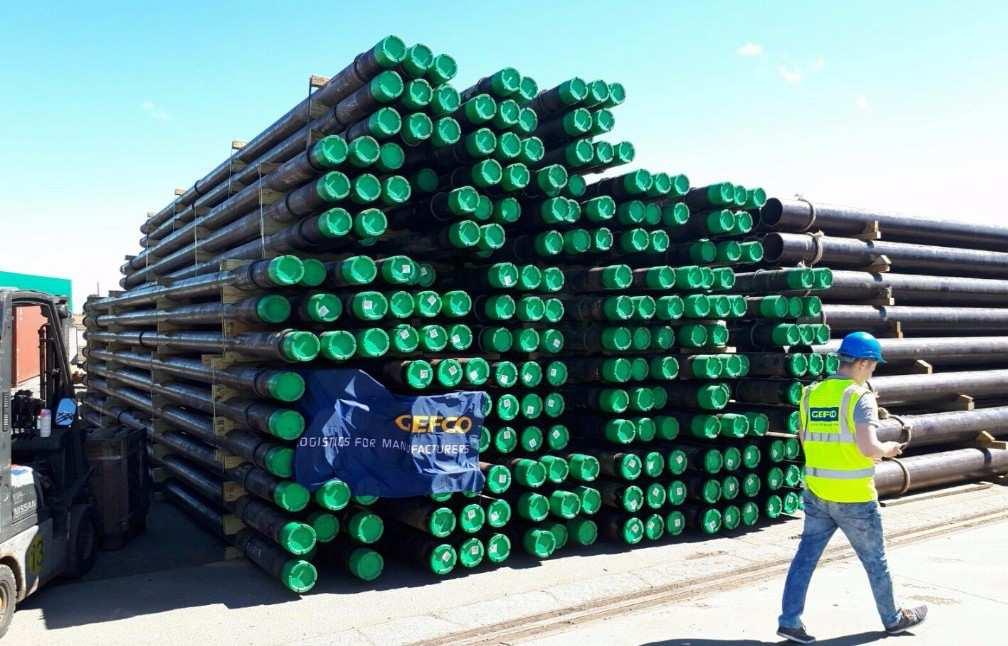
(388, 445)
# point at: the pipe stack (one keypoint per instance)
(641, 350)
(933, 291)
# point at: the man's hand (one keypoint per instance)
(892, 449)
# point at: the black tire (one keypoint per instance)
(8, 598)
(84, 537)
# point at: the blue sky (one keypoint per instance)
(107, 107)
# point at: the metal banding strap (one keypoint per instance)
(812, 214)
(840, 474)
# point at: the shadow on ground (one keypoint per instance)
(846, 640)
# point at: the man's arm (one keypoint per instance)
(865, 420)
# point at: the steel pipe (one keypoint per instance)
(894, 478)
(288, 345)
(283, 385)
(254, 447)
(798, 216)
(953, 320)
(387, 54)
(283, 423)
(282, 271)
(943, 428)
(950, 350)
(898, 389)
(911, 289)
(792, 248)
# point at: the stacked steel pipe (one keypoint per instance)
(641, 373)
(936, 294)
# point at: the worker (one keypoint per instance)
(838, 420)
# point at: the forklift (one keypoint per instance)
(49, 526)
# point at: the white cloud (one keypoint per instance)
(749, 50)
(819, 63)
(789, 74)
(861, 101)
(155, 111)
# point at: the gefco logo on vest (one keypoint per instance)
(824, 414)
(433, 424)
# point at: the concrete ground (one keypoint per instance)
(953, 574)
(167, 588)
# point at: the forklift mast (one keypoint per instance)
(6, 353)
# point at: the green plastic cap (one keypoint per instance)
(272, 308)
(616, 338)
(386, 87)
(442, 559)
(285, 386)
(732, 461)
(638, 182)
(286, 424)
(551, 178)
(333, 495)
(565, 504)
(557, 468)
(299, 346)
(330, 151)
(798, 364)
(418, 60)
(528, 340)
(389, 51)
(576, 186)
(800, 279)
(743, 223)
(337, 345)
(443, 68)
(533, 506)
(635, 240)
(644, 307)
(323, 308)
(371, 342)
(540, 543)
(416, 95)
(471, 552)
(528, 88)
(602, 121)
(507, 115)
(449, 373)
(531, 150)
(419, 374)
(290, 496)
(417, 128)
(632, 530)
(366, 527)
(298, 576)
(516, 177)
(285, 271)
(471, 518)
(613, 400)
(445, 101)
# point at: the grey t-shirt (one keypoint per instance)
(866, 409)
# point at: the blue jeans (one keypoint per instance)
(862, 525)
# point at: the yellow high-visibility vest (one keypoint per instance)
(835, 469)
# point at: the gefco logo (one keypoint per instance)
(824, 414)
(433, 424)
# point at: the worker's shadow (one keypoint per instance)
(847, 640)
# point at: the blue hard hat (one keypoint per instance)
(861, 345)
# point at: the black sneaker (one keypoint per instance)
(797, 635)
(909, 617)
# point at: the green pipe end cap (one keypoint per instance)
(390, 51)
(630, 467)
(565, 504)
(337, 345)
(750, 513)
(366, 564)
(386, 87)
(528, 88)
(632, 531)
(333, 495)
(442, 559)
(300, 346)
(676, 492)
(654, 464)
(598, 92)
(551, 178)
(273, 309)
(279, 461)
(471, 552)
(417, 128)
(290, 496)
(583, 531)
(298, 576)
(540, 543)
(285, 386)
(516, 177)
(326, 526)
(532, 149)
(372, 342)
(366, 527)
(286, 424)
(285, 271)
(296, 537)
(441, 522)
(443, 68)
(711, 491)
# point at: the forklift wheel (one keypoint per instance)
(8, 597)
(83, 547)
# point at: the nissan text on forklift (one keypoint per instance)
(48, 523)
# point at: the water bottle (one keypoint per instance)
(45, 423)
